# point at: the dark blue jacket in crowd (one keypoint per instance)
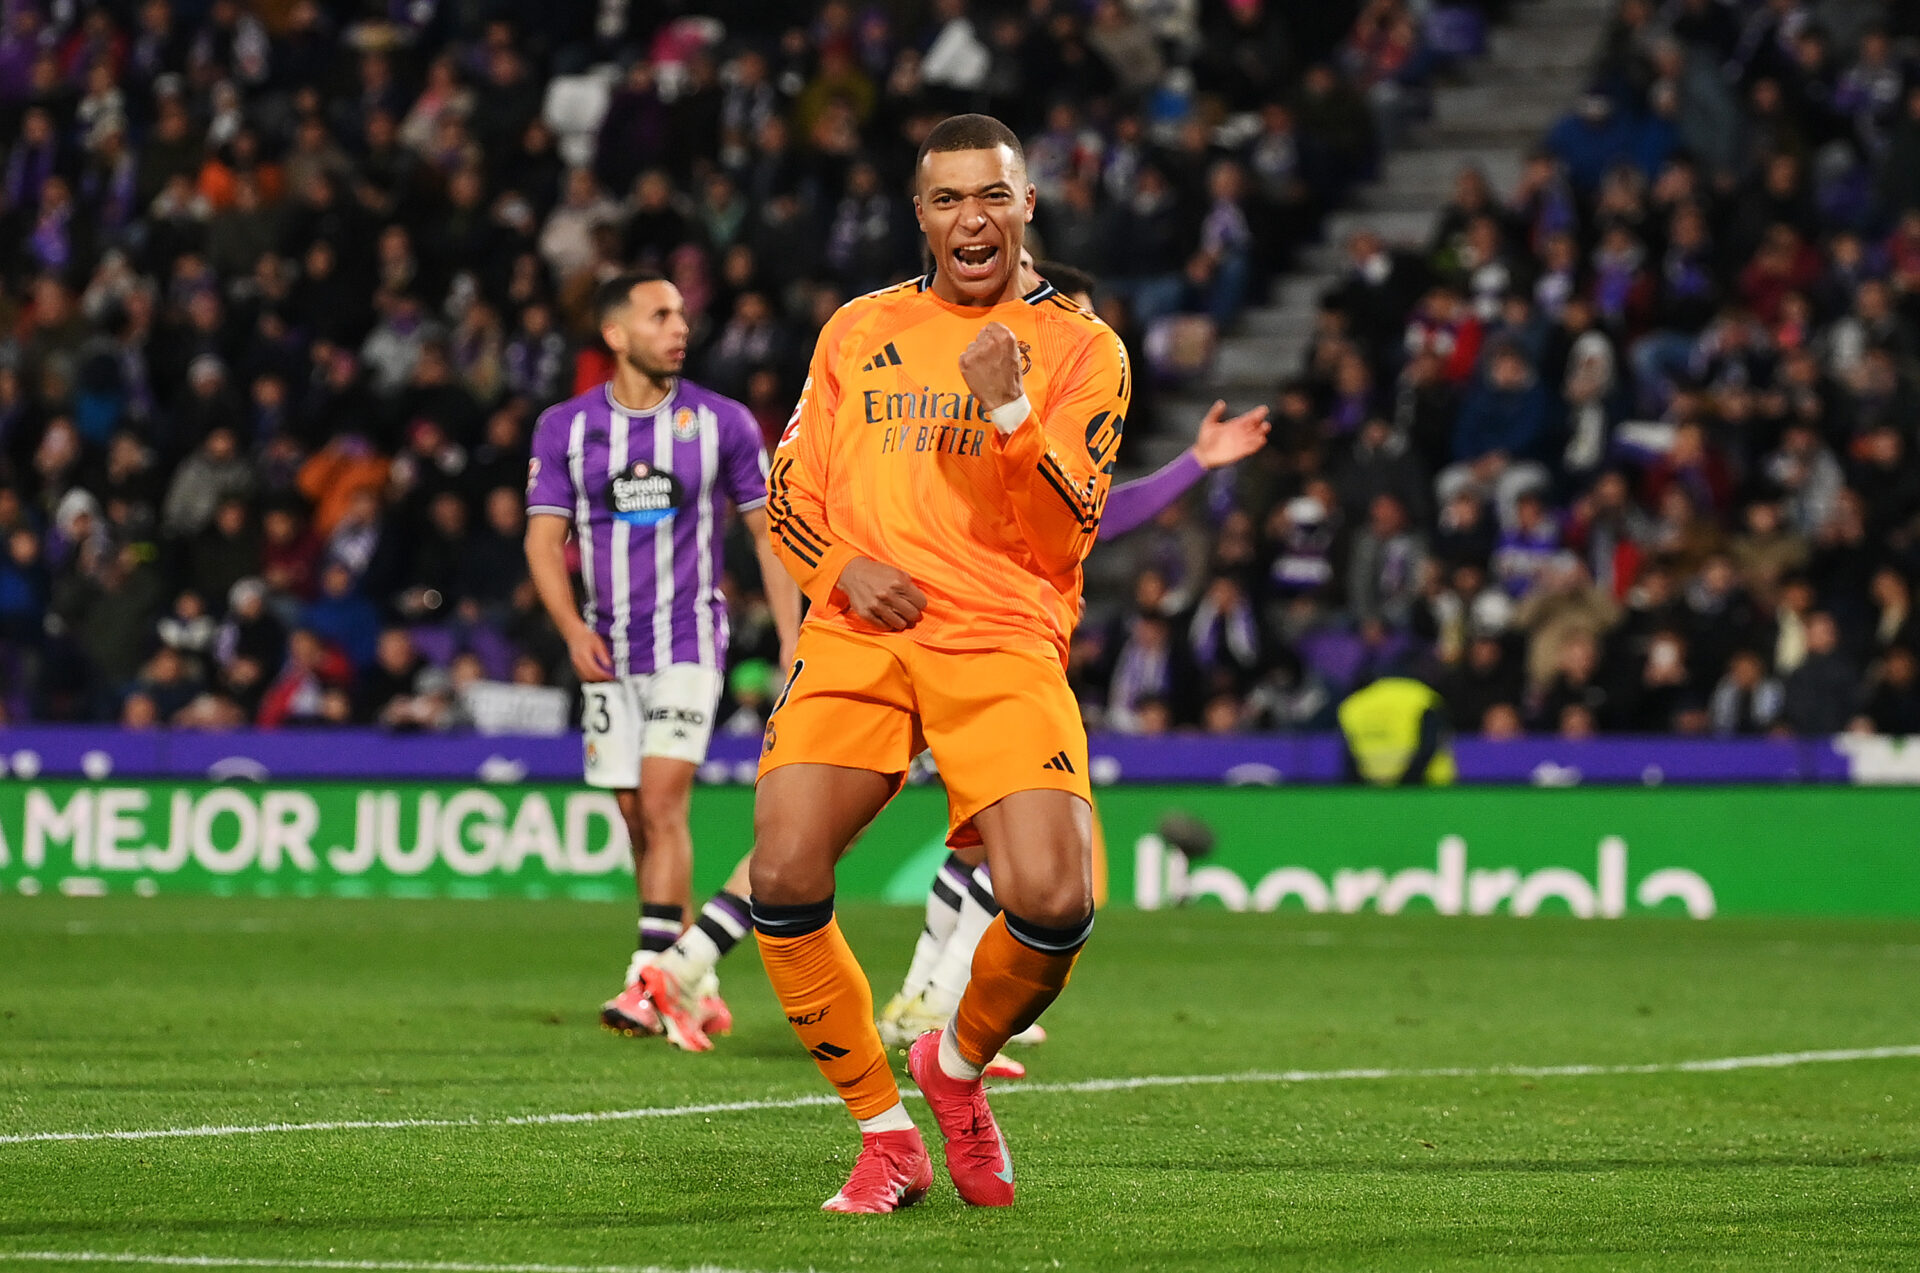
(1511, 420)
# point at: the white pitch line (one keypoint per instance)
(401, 1124)
(1710, 1065)
(380, 1266)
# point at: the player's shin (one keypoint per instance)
(659, 928)
(1018, 970)
(829, 1005)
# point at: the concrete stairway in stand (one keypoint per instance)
(1534, 69)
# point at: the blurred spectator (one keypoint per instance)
(1526, 546)
(338, 476)
(216, 472)
(1502, 431)
(389, 679)
(1658, 694)
(1384, 568)
(1153, 683)
(24, 589)
(1893, 698)
(1747, 700)
(1224, 635)
(311, 689)
(250, 632)
(342, 617)
(1823, 689)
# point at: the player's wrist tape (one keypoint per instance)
(1011, 416)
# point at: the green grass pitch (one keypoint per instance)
(124, 1014)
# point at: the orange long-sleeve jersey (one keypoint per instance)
(889, 456)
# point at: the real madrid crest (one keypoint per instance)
(686, 424)
(1026, 357)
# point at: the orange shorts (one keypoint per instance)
(997, 721)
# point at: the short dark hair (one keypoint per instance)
(969, 132)
(616, 292)
(1065, 278)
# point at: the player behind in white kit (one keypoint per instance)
(639, 470)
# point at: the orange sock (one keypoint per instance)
(830, 1006)
(1014, 979)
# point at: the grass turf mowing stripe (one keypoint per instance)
(380, 1266)
(1710, 1065)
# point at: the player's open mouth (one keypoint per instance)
(976, 260)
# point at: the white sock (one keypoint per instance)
(641, 959)
(887, 1120)
(943, 912)
(720, 926)
(691, 958)
(952, 1064)
(955, 969)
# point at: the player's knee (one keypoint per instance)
(780, 880)
(1055, 904)
(662, 813)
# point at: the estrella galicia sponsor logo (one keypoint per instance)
(645, 495)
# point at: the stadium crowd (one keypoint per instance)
(1625, 448)
(1628, 448)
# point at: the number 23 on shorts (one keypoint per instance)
(611, 735)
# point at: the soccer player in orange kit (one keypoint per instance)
(934, 494)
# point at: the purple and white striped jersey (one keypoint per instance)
(644, 490)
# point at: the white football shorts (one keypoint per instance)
(668, 713)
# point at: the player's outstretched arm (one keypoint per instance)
(1131, 505)
(1057, 466)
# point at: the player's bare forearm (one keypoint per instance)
(783, 593)
(547, 564)
(546, 545)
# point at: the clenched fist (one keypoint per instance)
(991, 366)
(883, 595)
